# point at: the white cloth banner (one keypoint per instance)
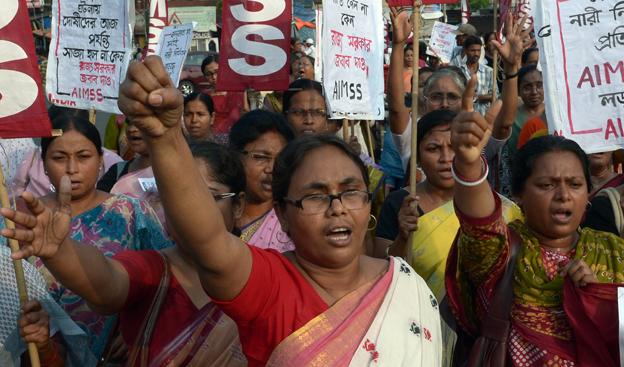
(89, 53)
(442, 41)
(172, 47)
(581, 46)
(353, 59)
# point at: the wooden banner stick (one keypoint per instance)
(414, 137)
(369, 141)
(17, 265)
(352, 128)
(92, 115)
(345, 130)
(495, 59)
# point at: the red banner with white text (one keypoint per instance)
(255, 45)
(22, 105)
(158, 19)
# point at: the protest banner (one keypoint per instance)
(352, 57)
(172, 48)
(393, 3)
(158, 19)
(22, 106)
(525, 8)
(442, 41)
(89, 53)
(581, 45)
(255, 44)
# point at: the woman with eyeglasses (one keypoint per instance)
(165, 317)
(259, 136)
(305, 107)
(324, 303)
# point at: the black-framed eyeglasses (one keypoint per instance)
(319, 203)
(225, 195)
(300, 112)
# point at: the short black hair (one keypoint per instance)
(55, 111)
(204, 98)
(224, 163)
(487, 35)
(524, 71)
(526, 53)
(290, 158)
(524, 160)
(431, 120)
(212, 57)
(255, 123)
(67, 122)
(472, 40)
(297, 86)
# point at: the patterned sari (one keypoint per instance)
(119, 223)
(266, 232)
(542, 333)
(391, 322)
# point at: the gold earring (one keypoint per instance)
(374, 221)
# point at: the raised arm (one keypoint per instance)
(399, 113)
(469, 134)
(152, 102)
(102, 282)
(517, 39)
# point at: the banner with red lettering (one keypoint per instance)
(158, 19)
(581, 45)
(89, 53)
(393, 3)
(22, 106)
(255, 45)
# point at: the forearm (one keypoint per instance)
(505, 119)
(473, 201)
(189, 205)
(398, 247)
(396, 94)
(87, 272)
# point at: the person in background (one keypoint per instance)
(140, 160)
(469, 65)
(530, 56)
(259, 136)
(309, 47)
(602, 172)
(228, 106)
(165, 316)
(301, 66)
(462, 32)
(199, 116)
(408, 65)
(108, 223)
(305, 107)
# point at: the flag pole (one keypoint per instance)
(495, 58)
(414, 137)
(17, 265)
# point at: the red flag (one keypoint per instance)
(503, 8)
(393, 3)
(22, 106)
(158, 20)
(255, 44)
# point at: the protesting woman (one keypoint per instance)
(106, 222)
(371, 310)
(165, 316)
(547, 264)
(199, 116)
(305, 107)
(259, 136)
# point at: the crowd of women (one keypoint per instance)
(242, 234)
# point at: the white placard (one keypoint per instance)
(581, 46)
(89, 53)
(442, 41)
(353, 59)
(172, 48)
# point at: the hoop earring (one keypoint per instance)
(374, 221)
